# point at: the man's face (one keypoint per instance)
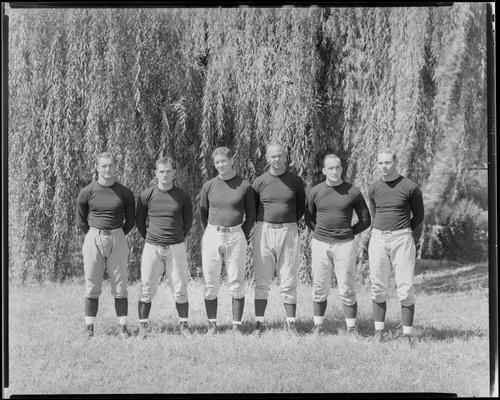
(332, 169)
(165, 174)
(276, 157)
(386, 165)
(106, 168)
(223, 164)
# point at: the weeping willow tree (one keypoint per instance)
(386, 71)
(260, 87)
(85, 81)
(456, 191)
(146, 83)
(460, 105)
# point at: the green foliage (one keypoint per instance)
(459, 108)
(180, 82)
(460, 234)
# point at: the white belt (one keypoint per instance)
(278, 226)
(225, 229)
(390, 233)
(104, 231)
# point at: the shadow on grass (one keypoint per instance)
(393, 330)
(451, 280)
(422, 266)
(365, 329)
(247, 328)
(430, 333)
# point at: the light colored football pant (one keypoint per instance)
(396, 249)
(102, 252)
(173, 260)
(276, 250)
(340, 253)
(231, 245)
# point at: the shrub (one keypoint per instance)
(461, 236)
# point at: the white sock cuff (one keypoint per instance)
(183, 320)
(318, 320)
(259, 319)
(379, 325)
(122, 320)
(290, 319)
(350, 322)
(212, 320)
(90, 320)
(237, 322)
(143, 320)
(407, 330)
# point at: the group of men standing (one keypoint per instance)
(230, 207)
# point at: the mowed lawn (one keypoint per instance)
(48, 354)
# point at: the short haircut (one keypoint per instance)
(331, 156)
(165, 161)
(106, 155)
(275, 144)
(224, 151)
(388, 150)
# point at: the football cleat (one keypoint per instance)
(183, 328)
(317, 330)
(259, 329)
(379, 336)
(143, 329)
(89, 330)
(291, 328)
(123, 332)
(212, 328)
(410, 339)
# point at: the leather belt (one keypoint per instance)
(275, 226)
(105, 232)
(390, 233)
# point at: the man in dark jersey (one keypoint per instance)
(164, 217)
(329, 210)
(280, 202)
(398, 213)
(105, 213)
(227, 215)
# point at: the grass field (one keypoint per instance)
(49, 355)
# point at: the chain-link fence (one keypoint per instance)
(463, 242)
(457, 230)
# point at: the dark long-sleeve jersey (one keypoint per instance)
(396, 204)
(329, 212)
(164, 217)
(279, 199)
(228, 203)
(105, 207)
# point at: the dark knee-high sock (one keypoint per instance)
(407, 313)
(379, 313)
(182, 309)
(350, 311)
(144, 309)
(290, 310)
(211, 307)
(91, 306)
(121, 307)
(238, 305)
(260, 307)
(319, 308)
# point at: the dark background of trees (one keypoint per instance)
(180, 82)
